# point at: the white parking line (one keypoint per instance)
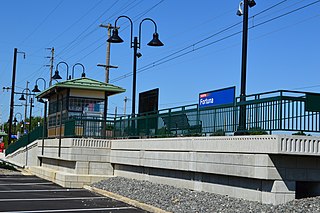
(74, 210)
(24, 184)
(43, 190)
(7, 178)
(51, 199)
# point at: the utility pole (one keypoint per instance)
(107, 66)
(51, 65)
(14, 70)
(15, 52)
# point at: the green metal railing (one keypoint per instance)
(94, 127)
(281, 110)
(24, 140)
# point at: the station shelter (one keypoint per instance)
(83, 98)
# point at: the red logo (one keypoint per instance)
(204, 95)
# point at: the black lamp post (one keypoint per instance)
(15, 121)
(26, 92)
(242, 117)
(44, 125)
(135, 44)
(30, 116)
(56, 75)
(83, 74)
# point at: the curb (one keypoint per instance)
(126, 200)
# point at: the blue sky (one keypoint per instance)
(283, 50)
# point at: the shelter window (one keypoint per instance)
(85, 105)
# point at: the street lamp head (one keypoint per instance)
(240, 12)
(251, 3)
(155, 42)
(22, 98)
(138, 55)
(115, 38)
(83, 75)
(56, 75)
(36, 89)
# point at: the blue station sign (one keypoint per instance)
(217, 97)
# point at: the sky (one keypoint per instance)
(201, 52)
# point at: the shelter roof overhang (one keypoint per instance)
(82, 84)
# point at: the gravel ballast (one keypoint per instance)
(181, 200)
(7, 169)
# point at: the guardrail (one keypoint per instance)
(280, 110)
(25, 140)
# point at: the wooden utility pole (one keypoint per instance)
(107, 68)
(51, 65)
(107, 65)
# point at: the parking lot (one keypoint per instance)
(19, 193)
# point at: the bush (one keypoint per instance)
(301, 133)
(257, 131)
(219, 132)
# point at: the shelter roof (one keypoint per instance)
(81, 83)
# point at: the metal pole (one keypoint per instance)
(44, 126)
(60, 131)
(26, 107)
(242, 116)
(30, 118)
(125, 105)
(105, 109)
(135, 50)
(12, 93)
(29, 131)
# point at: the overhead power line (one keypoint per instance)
(86, 29)
(44, 20)
(167, 58)
(135, 20)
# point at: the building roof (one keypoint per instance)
(81, 83)
(3, 133)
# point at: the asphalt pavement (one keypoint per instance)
(20, 193)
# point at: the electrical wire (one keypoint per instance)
(86, 29)
(92, 31)
(167, 59)
(39, 25)
(74, 23)
(135, 20)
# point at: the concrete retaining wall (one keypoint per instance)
(261, 168)
(25, 156)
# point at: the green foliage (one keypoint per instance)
(219, 132)
(18, 127)
(257, 131)
(301, 133)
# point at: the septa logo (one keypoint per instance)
(204, 95)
